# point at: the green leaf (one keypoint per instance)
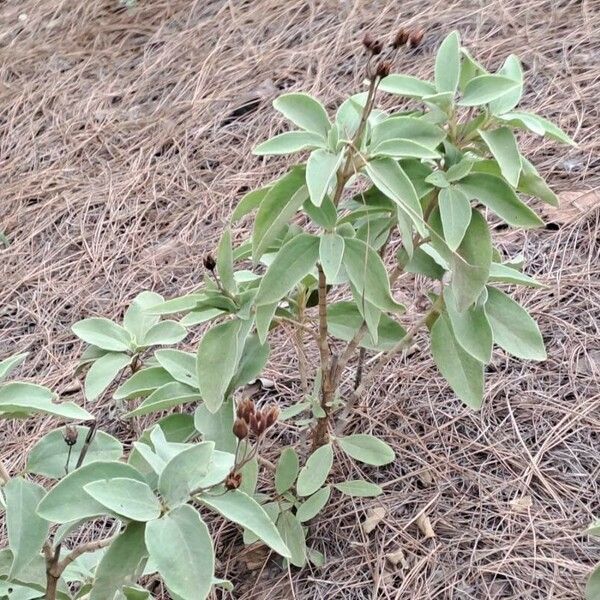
(184, 473)
(388, 176)
(305, 112)
(10, 363)
(252, 362)
(216, 362)
(321, 170)
(103, 333)
(406, 85)
(243, 510)
(503, 146)
(19, 399)
(463, 372)
(404, 129)
(455, 213)
(293, 262)
(314, 473)
(471, 328)
(291, 141)
(331, 253)
(280, 204)
(486, 88)
(167, 396)
(325, 215)
(27, 532)
(513, 328)
(506, 274)
(497, 195)
(177, 305)
(313, 505)
(249, 202)
(163, 334)
(287, 470)
(121, 563)
(103, 371)
(180, 365)
(511, 69)
(48, 457)
(458, 171)
(531, 183)
(292, 533)
(399, 148)
(143, 383)
(537, 125)
(369, 275)
(225, 262)
(217, 427)
(469, 69)
(347, 118)
(359, 488)
(125, 497)
(202, 315)
(137, 320)
(180, 546)
(367, 449)
(68, 501)
(592, 588)
(447, 64)
(594, 528)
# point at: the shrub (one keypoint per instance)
(382, 195)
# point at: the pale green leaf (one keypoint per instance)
(68, 501)
(143, 383)
(331, 253)
(287, 470)
(163, 334)
(399, 148)
(359, 488)
(125, 497)
(291, 141)
(314, 473)
(249, 202)
(48, 457)
(506, 274)
(447, 64)
(102, 373)
(217, 427)
(406, 85)
(503, 146)
(292, 263)
(407, 128)
(455, 213)
(592, 588)
(463, 372)
(103, 333)
(27, 532)
(313, 505)
(180, 546)
(304, 111)
(367, 449)
(511, 69)
(169, 395)
(292, 533)
(252, 362)
(321, 170)
(217, 360)
(225, 262)
(180, 365)
(532, 183)
(184, 473)
(513, 328)
(137, 320)
(486, 88)
(537, 125)
(243, 510)
(10, 363)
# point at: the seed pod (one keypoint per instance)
(70, 435)
(415, 38)
(233, 481)
(209, 262)
(383, 69)
(271, 416)
(254, 423)
(240, 429)
(372, 45)
(401, 38)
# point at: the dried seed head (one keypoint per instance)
(373, 46)
(401, 38)
(271, 416)
(209, 262)
(70, 435)
(254, 423)
(240, 429)
(383, 69)
(245, 409)
(233, 481)
(415, 38)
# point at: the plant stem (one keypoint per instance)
(4, 475)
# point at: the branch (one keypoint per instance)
(82, 549)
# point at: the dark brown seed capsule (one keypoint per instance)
(383, 69)
(415, 38)
(209, 262)
(233, 481)
(401, 38)
(240, 429)
(372, 45)
(70, 435)
(272, 416)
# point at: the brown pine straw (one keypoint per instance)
(124, 145)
